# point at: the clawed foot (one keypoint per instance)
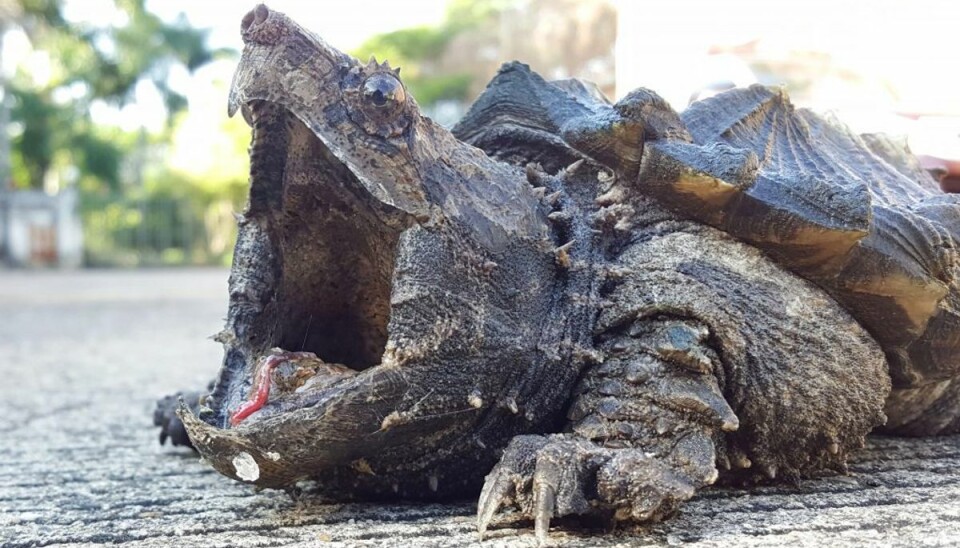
(165, 416)
(555, 476)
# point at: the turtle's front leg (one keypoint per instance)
(643, 434)
(715, 362)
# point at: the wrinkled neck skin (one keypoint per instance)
(376, 240)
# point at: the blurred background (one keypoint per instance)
(116, 151)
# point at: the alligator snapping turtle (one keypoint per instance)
(610, 305)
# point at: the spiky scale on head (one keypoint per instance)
(373, 66)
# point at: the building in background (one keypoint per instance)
(39, 229)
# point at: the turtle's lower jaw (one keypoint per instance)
(299, 434)
(288, 374)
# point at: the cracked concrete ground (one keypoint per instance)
(86, 353)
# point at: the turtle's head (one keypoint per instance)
(411, 274)
(359, 114)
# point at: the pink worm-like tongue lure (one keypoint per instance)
(262, 385)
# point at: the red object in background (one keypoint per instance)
(951, 184)
(946, 171)
(43, 245)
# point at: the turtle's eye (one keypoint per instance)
(383, 91)
(380, 104)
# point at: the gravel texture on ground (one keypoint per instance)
(86, 353)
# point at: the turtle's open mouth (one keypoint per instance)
(308, 379)
(337, 243)
(335, 247)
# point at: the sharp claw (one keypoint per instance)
(545, 502)
(494, 492)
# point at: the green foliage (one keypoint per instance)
(34, 148)
(179, 216)
(46, 10)
(463, 14)
(429, 90)
(146, 48)
(155, 229)
(404, 45)
(175, 219)
(99, 156)
(52, 132)
(87, 64)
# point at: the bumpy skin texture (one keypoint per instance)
(608, 308)
(717, 363)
